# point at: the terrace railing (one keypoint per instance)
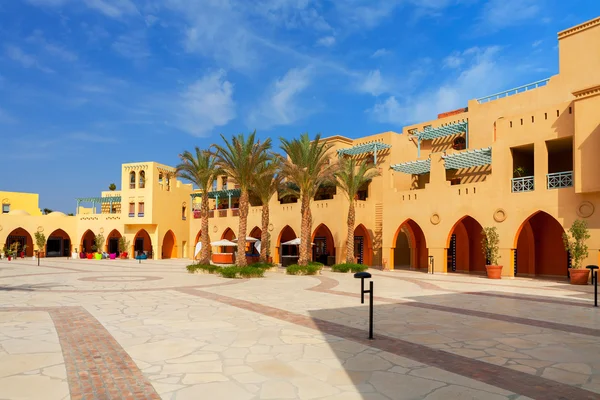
(512, 92)
(559, 180)
(523, 184)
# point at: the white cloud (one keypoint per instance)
(206, 104)
(326, 41)
(498, 14)
(26, 60)
(473, 81)
(373, 84)
(293, 14)
(536, 43)
(454, 60)
(110, 8)
(90, 138)
(280, 105)
(380, 53)
(132, 45)
(38, 38)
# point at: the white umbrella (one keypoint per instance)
(293, 242)
(224, 243)
(198, 248)
(257, 245)
(248, 239)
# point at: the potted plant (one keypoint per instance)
(23, 251)
(491, 250)
(519, 172)
(98, 244)
(123, 246)
(576, 246)
(7, 253)
(40, 242)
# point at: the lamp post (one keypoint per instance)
(37, 255)
(431, 263)
(362, 276)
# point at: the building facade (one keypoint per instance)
(522, 160)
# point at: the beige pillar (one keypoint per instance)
(388, 258)
(506, 260)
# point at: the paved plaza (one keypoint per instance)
(117, 329)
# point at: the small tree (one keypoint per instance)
(490, 244)
(575, 242)
(123, 244)
(99, 242)
(112, 187)
(40, 241)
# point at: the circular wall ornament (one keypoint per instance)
(215, 229)
(585, 209)
(40, 229)
(270, 227)
(499, 215)
(435, 218)
(101, 230)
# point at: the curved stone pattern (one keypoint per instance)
(435, 218)
(500, 215)
(585, 209)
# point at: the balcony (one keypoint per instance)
(523, 184)
(512, 92)
(140, 214)
(559, 180)
(131, 215)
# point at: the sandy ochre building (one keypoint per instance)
(524, 160)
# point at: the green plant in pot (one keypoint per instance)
(98, 245)
(575, 244)
(40, 242)
(7, 253)
(123, 246)
(490, 244)
(519, 172)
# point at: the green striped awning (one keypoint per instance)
(364, 148)
(441, 131)
(417, 167)
(222, 194)
(109, 199)
(467, 159)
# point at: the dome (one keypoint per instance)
(18, 212)
(57, 214)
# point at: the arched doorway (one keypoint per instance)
(169, 247)
(363, 246)
(20, 237)
(540, 248)
(286, 235)
(324, 247)
(58, 244)
(112, 242)
(410, 249)
(228, 234)
(88, 241)
(198, 237)
(465, 253)
(256, 233)
(142, 244)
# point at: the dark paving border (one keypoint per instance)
(97, 366)
(517, 382)
(115, 278)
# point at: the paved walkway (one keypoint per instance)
(117, 329)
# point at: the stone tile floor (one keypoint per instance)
(117, 329)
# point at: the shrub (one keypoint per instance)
(490, 244)
(349, 267)
(316, 263)
(251, 272)
(310, 269)
(575, 242)
(261, 265)
(211, 269)
(230, 272)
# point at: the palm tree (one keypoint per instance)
(200, 169)
(240, 159)
(350, 178)
(307, 167)
(265, 186)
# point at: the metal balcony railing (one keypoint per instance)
(559, 180)
(523, 184)
(512, 92)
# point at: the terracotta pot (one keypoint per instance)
(494, 271)
(579, 276)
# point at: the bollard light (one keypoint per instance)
(37, 255)
(431, 263)
(362, 276)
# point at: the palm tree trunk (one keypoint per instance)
(305, 230)
(264, 233)
(350, 241)
(204, 235)
(241, 248)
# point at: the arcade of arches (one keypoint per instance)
(87, 241)
(286, 235)
(228, 234)
(112, 242)
(22, 237)
(58, 244)
(363, 246)
(142, 243)
(169, 246)
(323, 250)
(410, 249)
(464, 247)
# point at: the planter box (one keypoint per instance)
(579, 276)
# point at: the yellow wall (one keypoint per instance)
(28, 202)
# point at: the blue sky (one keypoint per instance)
(86, 85)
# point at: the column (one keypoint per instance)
(507, 262)
(440, 256)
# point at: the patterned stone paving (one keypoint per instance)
(87, 329)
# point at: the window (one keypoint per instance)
(183, 212)
(5, 208)
(132, 180)
(132, 209)
(160, 179)
(224, 182)
(141, 209)
(459, 143)
(142, 183)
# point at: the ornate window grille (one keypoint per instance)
(559, 180)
